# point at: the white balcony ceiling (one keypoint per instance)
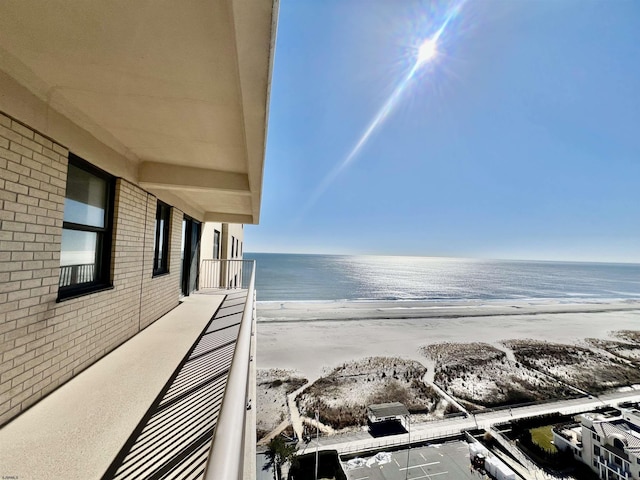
(178, 88)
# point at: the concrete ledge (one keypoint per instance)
(75, 432)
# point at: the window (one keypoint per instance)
(596, 450)
(233, 247)
(85, 255)
(216, 244)
(161, 255)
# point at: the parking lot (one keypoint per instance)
(439, 462)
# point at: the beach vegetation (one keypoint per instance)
(341, 397)
(278, 453)
(627, 350)
(337, 417)
(482, 375)
(273, 386)
(628, 335)
(577, 366)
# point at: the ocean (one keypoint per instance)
(292, 277)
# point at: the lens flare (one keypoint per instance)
(426, 53)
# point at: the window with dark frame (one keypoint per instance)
(161, 249)
(85, 253)
(216, 244)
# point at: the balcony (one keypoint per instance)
(175, 401)
(611, 467)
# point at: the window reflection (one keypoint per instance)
(78, 257)
(85, 199)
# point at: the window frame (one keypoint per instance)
(104, 241)
(162, 209)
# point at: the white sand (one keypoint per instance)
(344, 331)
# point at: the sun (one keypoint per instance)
(427, 51)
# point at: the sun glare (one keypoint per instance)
(427, 51)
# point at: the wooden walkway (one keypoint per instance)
(173, 439)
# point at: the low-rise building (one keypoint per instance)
(611, 445)
(569, 437)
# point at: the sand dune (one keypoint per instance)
(314, 337)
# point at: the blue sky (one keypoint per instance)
(521, 139)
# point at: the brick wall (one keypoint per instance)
(44, 343)
(160, 294)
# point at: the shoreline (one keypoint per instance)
(350, 310)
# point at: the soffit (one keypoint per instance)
(165, 81)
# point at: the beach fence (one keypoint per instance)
(393, 442)
(532, 467)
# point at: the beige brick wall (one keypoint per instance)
(44, 343)
(160, 294)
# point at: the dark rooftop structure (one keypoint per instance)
(383, 412)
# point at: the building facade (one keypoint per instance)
(611, 445)
(129, 136)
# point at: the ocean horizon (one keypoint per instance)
(321, 277)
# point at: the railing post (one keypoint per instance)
(74, 274)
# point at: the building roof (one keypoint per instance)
(621, 429)
(386, 410)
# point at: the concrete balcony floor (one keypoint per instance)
(77, 431)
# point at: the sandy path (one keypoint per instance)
(446, 396)
(314, 346)
(294, 413)
(274, 433)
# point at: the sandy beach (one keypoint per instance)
(314, 337)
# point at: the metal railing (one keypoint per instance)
(226, 273)
(74, 274)
(391, 442)
(227, 454)
(617, 469)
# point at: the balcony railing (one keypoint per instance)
(75, 274)
(619, 470)
(200, 426)
(226, 460)
(225, 273)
